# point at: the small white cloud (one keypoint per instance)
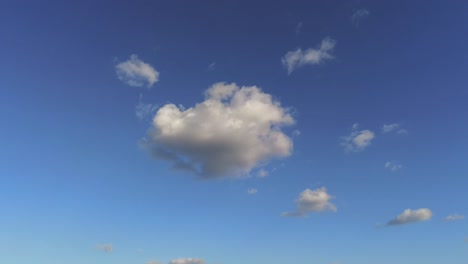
(230, 133)
(317, 200)
(411, 216)
(296, 133)
(393, 166)
(358, 15)
(313, 56)
(390, 127)
(357, 140)
(454, 217)
(355, 126)
(105, 247)
(212, 66)
(252, 191)
(262, 173)
(135, 72)
(154, 262)
(187, 261)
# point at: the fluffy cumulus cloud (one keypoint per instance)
(187, 261)
(105, 247)
(393, 166)
(359, 15)
(357, 140)
(411, 216)
(233, 131)
(317, 200)
(135, 72)
(298, 58)
(454, 217)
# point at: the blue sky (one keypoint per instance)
(232, 132)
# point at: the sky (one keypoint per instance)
(228, 132)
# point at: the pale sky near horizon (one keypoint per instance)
(234, 132)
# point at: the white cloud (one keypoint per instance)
(390, 127)
(154, 262)
(411, 216)
(144, 110)
(252, 191)
(233, 131)
(296, 133)
(454, 217)
(298, 58)
(262, 173)
(358, 15)
(105, 247)
(402, 132)
(187, 261)
(357, 140)
(135, 72)
(317, 200)
(393, 166)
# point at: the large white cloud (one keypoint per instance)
(411, 216)
(135, 72)
(233, 131)
(357, 140)
(317, 200)
(187, 261)
(298, 58)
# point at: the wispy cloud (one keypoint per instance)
(313, 56)
(154, 262)
(144, 110)
(394, 127)
(393, 166)
(135, 72)
(252, 191)
(233, 131)
(212, 66)
(411, 216)
(187, 261)
(357, 140)
(262, 173)
(454, 217)
(299, 28)
(105, 247)
(317, 200)
(359, 15)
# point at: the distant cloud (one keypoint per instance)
(252, 191)
(154, 262)
(357, 140)
(389, 128)
(262, 173)
(105, 247)
(317, 200)
(187, 261)
(143, 110)
(313, 56)
(359, 15)
(212, 66)
(402, 132)
(296, 133)
(411, 216)
(230, 133)
(299, 28)
(135, 72)
(390, 165)
(454, 217)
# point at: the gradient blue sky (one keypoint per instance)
(73, 176)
